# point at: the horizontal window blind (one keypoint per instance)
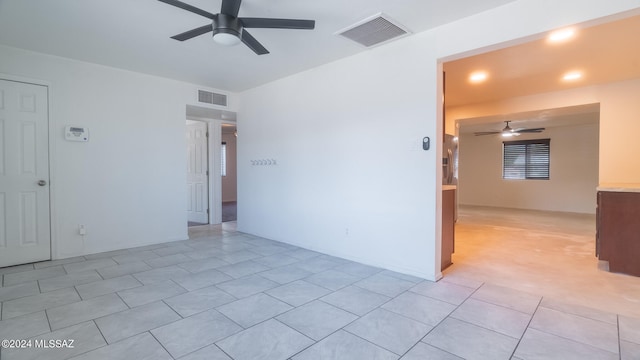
(526, 159)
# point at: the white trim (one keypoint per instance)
(215, 181)
(439, 144)
(215, 139)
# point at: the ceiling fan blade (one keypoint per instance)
(267, 23)
(253, 44)
(231, 7)
(480, 133)
(188, 7)
(534, 130)
(193, 33)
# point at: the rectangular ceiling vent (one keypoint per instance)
(208, 97)
(374, 30)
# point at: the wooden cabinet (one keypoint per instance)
(448, 226)
(618, 231)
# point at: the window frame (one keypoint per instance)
(533, 150)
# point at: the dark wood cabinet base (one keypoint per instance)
(618, 231)
(448, 226)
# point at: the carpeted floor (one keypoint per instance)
(229, 211)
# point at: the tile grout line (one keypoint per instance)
(367, 313)
(619, 340)
(569, 339)
(445, 318)
(513, 353)
(175, 312)
(162, 345)
(101, 334)
(508, 308)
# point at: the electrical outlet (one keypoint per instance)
(82, 230)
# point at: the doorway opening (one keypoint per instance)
(532, 226)
(211, 162)
(535, 235)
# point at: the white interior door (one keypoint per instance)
(197, 172)
(25, 234)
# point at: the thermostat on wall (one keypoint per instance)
(76, 133)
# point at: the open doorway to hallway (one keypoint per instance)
(229, 173)
(220, 156)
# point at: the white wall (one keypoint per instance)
(572, 181)
(230, 182)
(127, 185)
(351, 180)
(619, 145)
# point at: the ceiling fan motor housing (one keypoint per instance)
(226, 24)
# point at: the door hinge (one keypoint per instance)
(207, 172)
(207, 211)
(207, 134)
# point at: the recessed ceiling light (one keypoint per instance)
(572, 76)
(478, 77)
(561, 35)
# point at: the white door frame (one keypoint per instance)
(214, 126)
(215, 141)
(51, 148)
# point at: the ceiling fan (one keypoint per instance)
(508, 131)
(229, 29)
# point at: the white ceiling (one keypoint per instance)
(135, 34)
(605, 52)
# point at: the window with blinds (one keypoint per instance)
(526, 159)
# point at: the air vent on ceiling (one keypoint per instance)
(374, 30)
(212, 98)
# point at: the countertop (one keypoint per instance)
(453, 187)
(622, 187)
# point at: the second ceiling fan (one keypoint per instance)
(230, 29)
(508, 131)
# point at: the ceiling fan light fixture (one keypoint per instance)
(227, 30)
(508, 131)
(226, 38)
(509, 134)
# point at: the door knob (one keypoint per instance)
(42, 183)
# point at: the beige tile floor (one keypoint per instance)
(227, 295)
(546, 253)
